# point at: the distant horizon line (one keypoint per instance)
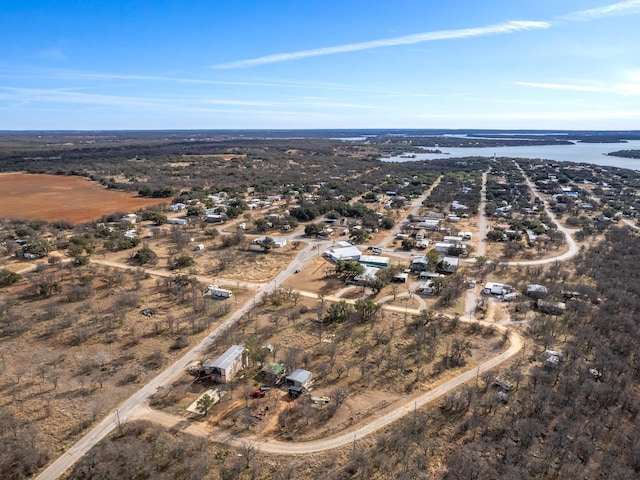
(376, 129)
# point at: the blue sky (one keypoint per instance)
(87, 64)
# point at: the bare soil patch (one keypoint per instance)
(54, 197)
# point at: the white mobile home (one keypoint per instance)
(430, 224)
(452, 239)
(226, 366)
(450, 264)
(443, 247)
(375, 261)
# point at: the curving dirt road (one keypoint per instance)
(568, 232)
(134, 406)
(573, 247)
(282, 448)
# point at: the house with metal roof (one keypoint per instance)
(375, 261)
(226, 366)
(343, 253)
(299, 378)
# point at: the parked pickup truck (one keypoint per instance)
(257, 393)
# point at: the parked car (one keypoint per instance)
(257, 393)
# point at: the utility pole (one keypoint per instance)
(119, 424)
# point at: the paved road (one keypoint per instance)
(126, 408)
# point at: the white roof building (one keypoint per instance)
(300, 378)
(343, 253)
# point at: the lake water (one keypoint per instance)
(578, 153)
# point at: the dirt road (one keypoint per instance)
(482, 218)
(125, 410)
(283, 448)
(416, 205)
(568, 232)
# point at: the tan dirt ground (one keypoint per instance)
(65, 364)
(57, 197)
(374, 396)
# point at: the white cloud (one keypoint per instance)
(73, 97)
(501, 28)
(628, 88)
(561, 86)
(615, 9)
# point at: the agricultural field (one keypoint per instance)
(57, 197)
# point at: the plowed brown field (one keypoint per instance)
(54, 197)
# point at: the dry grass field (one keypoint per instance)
(375, 365)
(70, 356)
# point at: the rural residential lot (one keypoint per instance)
(202, 306)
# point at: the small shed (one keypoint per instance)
(401, 278)
(537, 291)
(272, 372)
(419, 263)
(299, 378)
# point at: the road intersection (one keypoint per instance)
(136, 406)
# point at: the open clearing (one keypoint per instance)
(56, 197)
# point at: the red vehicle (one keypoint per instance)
(257, 394)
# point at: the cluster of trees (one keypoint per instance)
(463, 186)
